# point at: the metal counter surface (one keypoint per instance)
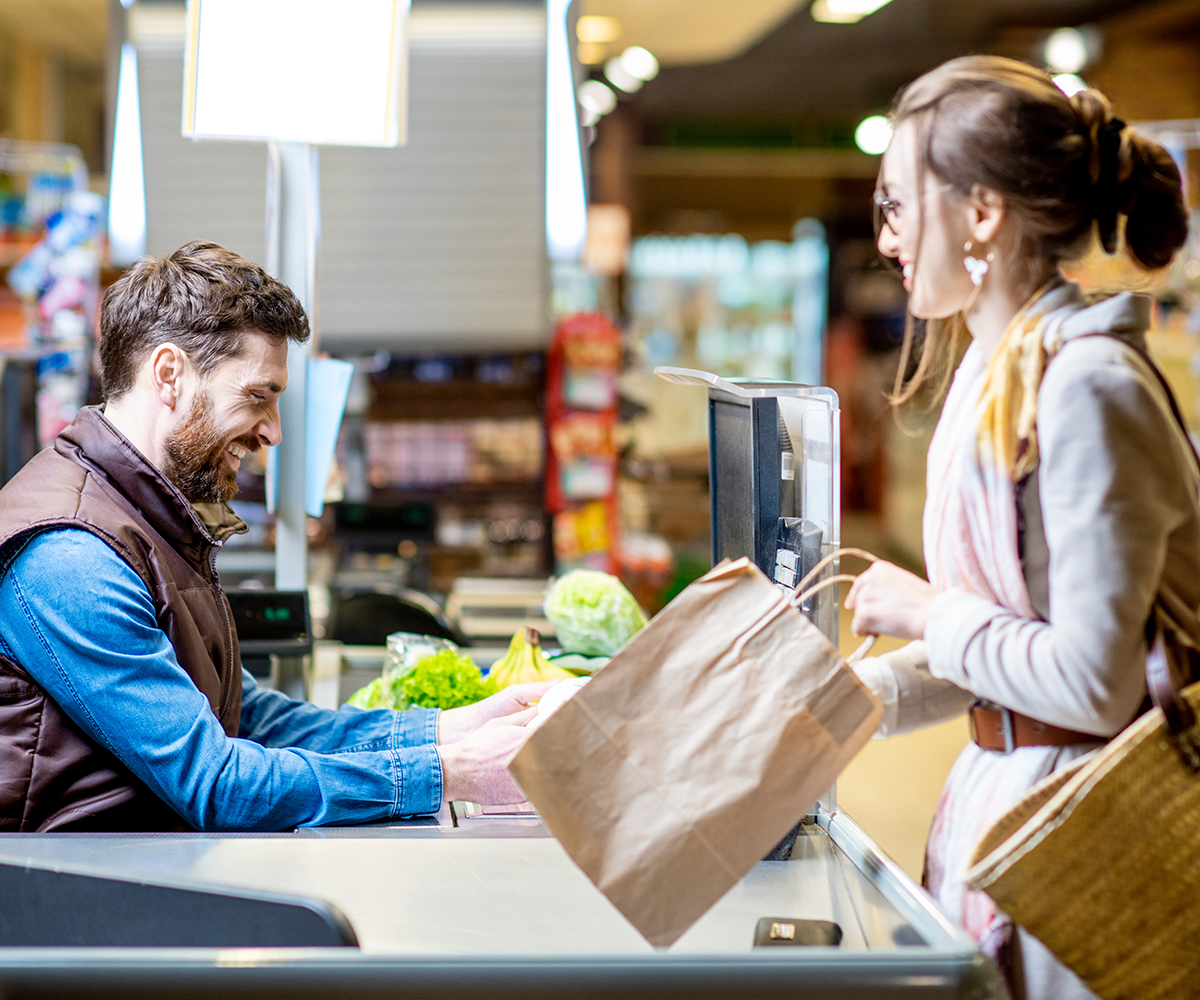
(446, 903)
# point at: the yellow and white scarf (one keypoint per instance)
(986, 440)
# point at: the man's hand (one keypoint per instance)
(473, 769)
(458, 723)
(888, 600)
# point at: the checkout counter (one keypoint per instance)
(484, 903)
(461, 904)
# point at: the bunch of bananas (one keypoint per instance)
(524, 662)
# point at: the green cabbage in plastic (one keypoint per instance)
(382, 692)
(592, 612)
(445, 679)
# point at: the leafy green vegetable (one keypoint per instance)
(592, 612)
(446, 679)
(382, 692)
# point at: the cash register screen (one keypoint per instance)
(732, 479)
(270, 621)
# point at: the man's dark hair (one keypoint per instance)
(202, 298)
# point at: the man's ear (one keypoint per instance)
(168, 368)
(987, 213)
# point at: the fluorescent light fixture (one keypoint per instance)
(597, 29)
(639, 62)
(127, 177)
(844, 11)
(296, 71)
(597, 98)
(127, 3)
(566, 201)
(1070, 84)
(1066, 50)
(873, 134)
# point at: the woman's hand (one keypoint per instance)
(888, 600)
(456, 724)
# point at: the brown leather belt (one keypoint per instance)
(996, 728)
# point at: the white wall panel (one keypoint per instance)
(441, 241)
(435, 245)
(195, 190)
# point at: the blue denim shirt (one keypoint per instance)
(81, 622)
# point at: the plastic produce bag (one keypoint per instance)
(423, 671)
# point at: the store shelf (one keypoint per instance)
(454, 400)
(521, 490)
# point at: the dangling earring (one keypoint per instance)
(976, 268)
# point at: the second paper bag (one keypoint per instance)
(687, 758)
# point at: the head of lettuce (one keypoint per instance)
(592, 612)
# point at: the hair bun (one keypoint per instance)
(1104, 140)
(1134, 176)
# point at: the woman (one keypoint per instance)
(1062, 493)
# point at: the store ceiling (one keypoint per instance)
(792, 66)
(728, 58)
(691, 31)
(75, 28)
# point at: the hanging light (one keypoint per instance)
(1066, 50)
(1070, 84)
(595, 32)
(845, 11)
(873, 134)
(621, 78)
(597, 29)
(640, 63)
(127, 178)
(593, 96)
(566, 201)
(631, 69)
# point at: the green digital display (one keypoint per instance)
(268, 616)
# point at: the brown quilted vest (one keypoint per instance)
(53, 776)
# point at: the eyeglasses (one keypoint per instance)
(890, 209)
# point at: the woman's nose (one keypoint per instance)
(888, 242)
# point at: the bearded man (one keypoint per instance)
(123, 704)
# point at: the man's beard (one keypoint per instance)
(196, 457)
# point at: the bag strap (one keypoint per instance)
(1174, 658)
(1144, 354)
(1171, 665)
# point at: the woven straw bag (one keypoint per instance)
(1101, 861)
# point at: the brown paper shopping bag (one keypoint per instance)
(696, 749)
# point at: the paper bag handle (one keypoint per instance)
(815, 571)
(800, 595)
(797, 599)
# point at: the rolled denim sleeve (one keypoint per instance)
(81, 622)
(275, 720)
